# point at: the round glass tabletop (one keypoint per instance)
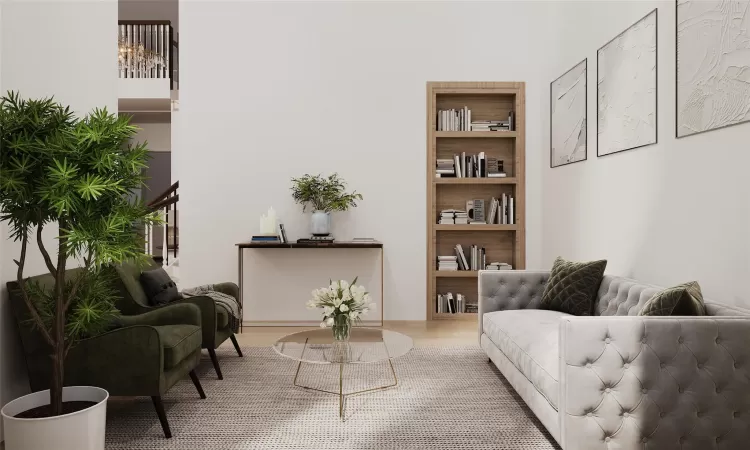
(366, 345)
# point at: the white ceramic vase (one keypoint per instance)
(81, 430)
(320, 223)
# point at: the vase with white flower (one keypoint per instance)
(343, 303)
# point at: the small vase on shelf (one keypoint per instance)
(320, 223)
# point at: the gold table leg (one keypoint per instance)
(341, 394)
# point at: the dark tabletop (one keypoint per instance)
(334, 244)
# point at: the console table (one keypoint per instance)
(307, 245)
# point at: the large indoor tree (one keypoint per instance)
(81, 174)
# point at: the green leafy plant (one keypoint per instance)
(79, 173)
(323, 194)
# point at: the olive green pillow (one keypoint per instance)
(572, 286)
(681, 300)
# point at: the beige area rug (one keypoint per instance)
(447, 398)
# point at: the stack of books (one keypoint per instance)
(447, 217)
(471, 308)
(495, 125)
(495, 168)
(269, 238)
(448, 304)
(445, 168)
(498, 266)
(461, 217)
(502, 210)
(447, 263)
(454, 119)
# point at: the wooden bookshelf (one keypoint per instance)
(503, 243)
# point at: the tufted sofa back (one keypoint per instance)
(620, 296)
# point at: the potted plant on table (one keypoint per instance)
(324, 195)
(78, 173)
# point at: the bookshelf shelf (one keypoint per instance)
(456, 273)
(457, 316)
(476, 134)
(480, 227)
(506, 180)
(487, 102)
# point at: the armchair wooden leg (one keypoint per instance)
(197, 383)
(236, 344)
(215, 361)
(162, 415)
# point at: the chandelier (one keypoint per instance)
(133, 56)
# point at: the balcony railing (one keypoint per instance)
(147, 49)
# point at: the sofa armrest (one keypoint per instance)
(228, 288)
(172, 314)
(666, 381)
(207, 307)
(509, 289)
(124, 361)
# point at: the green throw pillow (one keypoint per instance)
(572, 286)
(682, 300)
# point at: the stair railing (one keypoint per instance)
(147, 49)
(167, 204)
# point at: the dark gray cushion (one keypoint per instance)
(160, 289)
(681, 300)
(572, 286)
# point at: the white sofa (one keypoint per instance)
(617, 380)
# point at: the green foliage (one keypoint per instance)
(80, 173)
(323, 194)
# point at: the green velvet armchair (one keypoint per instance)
(214, 319)
(143, 355)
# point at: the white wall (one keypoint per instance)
(67, 49)
(334, 86)
(666, 213)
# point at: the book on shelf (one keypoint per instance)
(498, 266)
(265, 238)
(449, 304)
(461, 257)
(454, 119)
(475, 210)
(495, 125)
(447, 263)
(471, 308)
(470, 166)
(282, 233)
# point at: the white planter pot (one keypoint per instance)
(320, 223)
(82, 430)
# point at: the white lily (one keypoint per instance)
(343, 307)
(329, 321)
(327, 310)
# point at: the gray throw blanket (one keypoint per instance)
(231, 304)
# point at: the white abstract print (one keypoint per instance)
(568, 117)
(713, 64)
(626, 89)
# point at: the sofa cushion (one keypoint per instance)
(682, 300)
(572, 286)
(222, 317)
(179, 341)
(529, 339)
(159, 288)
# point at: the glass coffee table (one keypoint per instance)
(366, 345)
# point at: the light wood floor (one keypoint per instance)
(433, 333)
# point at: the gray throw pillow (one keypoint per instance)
(682, 300)
(572, 286)
(160, 289)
